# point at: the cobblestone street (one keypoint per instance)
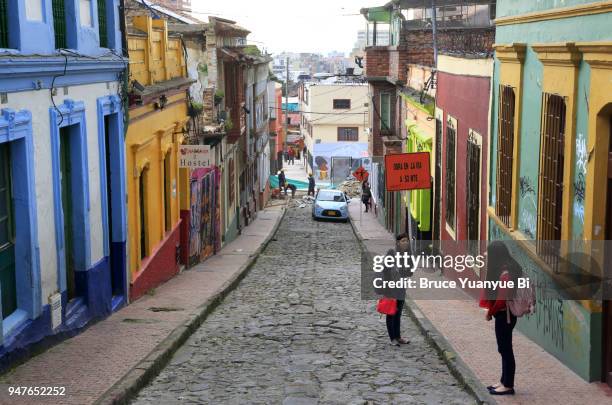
(296, 332)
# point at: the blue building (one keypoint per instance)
(62, 171)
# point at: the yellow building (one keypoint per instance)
(158, 191)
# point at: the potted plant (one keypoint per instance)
(194, 109)
(219, 96)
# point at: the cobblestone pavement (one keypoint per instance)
(296, 332)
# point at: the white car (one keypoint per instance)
(330, 204)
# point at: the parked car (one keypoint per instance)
(330, 204)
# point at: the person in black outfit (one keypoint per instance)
(281, 181)
(394, 274)
(311, 184)
(291, 187)
(366, 195)
(501, 266)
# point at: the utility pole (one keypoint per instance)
(286, 102)
(434, 34)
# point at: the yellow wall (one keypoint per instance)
(149, 140)
(154, 134)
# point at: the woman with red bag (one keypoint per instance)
(393, 320)
(501, 267)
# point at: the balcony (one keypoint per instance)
(401, 33)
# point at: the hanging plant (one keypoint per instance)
(219, 95)
(229, 125)
(195, 109)
(203, 68)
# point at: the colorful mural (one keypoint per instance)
(204, 229)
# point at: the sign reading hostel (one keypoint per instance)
(194, 156)
(407, 171)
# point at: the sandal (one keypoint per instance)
(402, 341)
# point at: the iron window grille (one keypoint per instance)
(473, 195)
(102, 24)
(450, 174)
(4, 40)
(348, 134)
(505, 154)
(342, 104)
(59, 23)
(550, 202)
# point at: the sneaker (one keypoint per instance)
(394, 342)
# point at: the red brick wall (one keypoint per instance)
(375, 145)
(376, 61)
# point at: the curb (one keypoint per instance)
(445, 350)
(148, 368)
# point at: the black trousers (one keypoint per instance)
(393, 322)
(503, 334)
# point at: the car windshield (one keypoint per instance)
(330, 196)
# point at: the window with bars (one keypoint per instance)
(505, 153)
(473, 191)
(550, 203)
(59, 23)
(342, 104)
(348, 134)
(450, 174)
(102, 23)
(4, 40)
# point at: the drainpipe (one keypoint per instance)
(434, 34)
(123, 28)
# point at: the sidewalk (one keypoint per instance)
(124, 350)
(540, 378)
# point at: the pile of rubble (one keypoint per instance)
(351, 187)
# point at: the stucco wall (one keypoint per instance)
(39, 103)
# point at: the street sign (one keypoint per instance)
(194, 156)
(407, 171)
(361, 174)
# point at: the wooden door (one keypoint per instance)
(7, 240)
(66, 191)
(607, 304)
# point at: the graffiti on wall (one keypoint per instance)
(529, 209)
(582, 158)
(205, 216)
(549, 319)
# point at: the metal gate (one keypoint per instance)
(438, 179)
(340, 169)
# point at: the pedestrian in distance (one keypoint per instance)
(366, 195)
(501, 267)
(281, 181)
(291, 187)
(291, 154)
(311, 184)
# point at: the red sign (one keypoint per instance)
(407, 171)
(361, 174)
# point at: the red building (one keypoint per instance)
(462, 137)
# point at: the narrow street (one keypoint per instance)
(296, 332)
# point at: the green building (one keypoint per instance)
(549, 177)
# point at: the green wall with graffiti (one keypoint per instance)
(566, 329)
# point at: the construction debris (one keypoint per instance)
(352, 188)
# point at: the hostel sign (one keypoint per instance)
(407, 171)
(194, 156)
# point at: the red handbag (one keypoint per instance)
(387, 306)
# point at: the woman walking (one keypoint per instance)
(501, 267)
(366, 195)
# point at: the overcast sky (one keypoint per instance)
(297, 26)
